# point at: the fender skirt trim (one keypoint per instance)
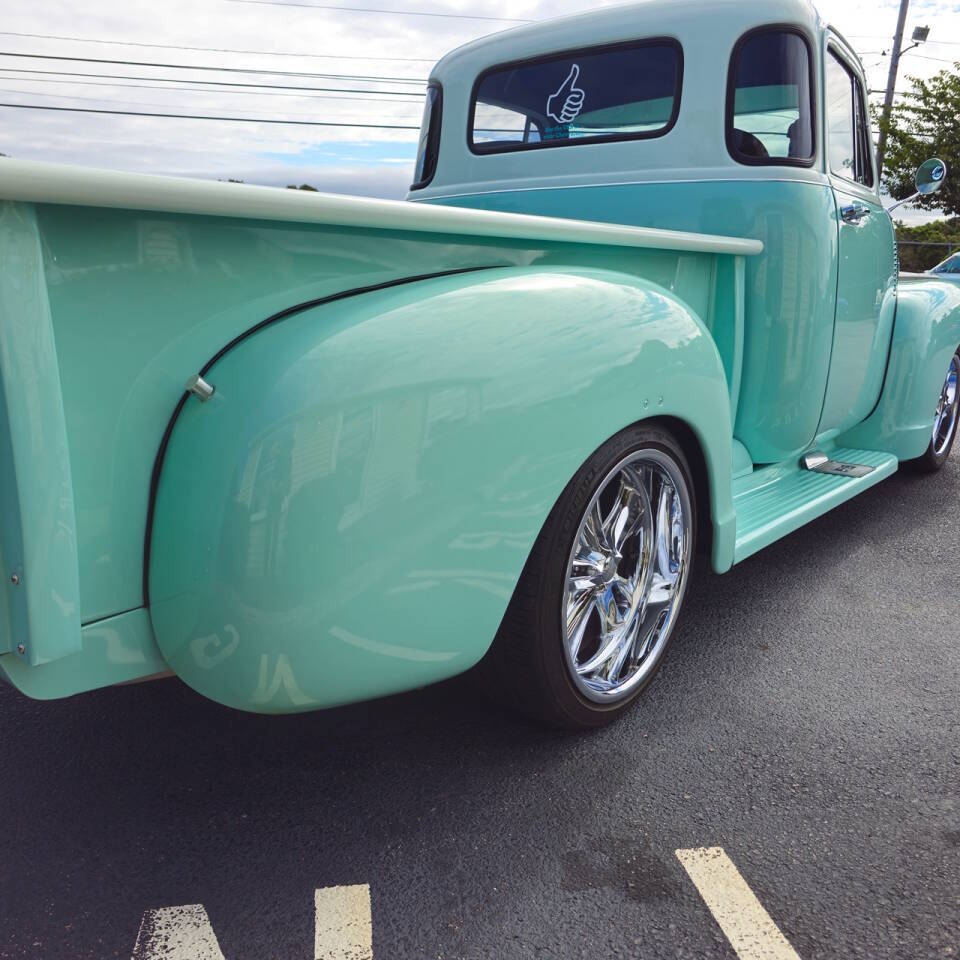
(256, 328)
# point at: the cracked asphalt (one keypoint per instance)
(807, 720)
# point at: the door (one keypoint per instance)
(867, 275)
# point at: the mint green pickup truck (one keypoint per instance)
(302, 450)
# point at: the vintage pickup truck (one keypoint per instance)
(646, 301)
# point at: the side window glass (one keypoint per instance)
(429, 144)
(848, 150)
(769, 106)
(839, 94)
(864, 145)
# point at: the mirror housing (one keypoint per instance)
(929, 178)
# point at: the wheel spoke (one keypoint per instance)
(594, 536)
(586, 572)
(578, 615)
(659, 598)
(669, 533)
(629, 510)
(609, 643)
(625, 650)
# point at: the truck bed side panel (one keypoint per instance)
(40, 609)
(141, 300)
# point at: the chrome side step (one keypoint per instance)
(818, 462)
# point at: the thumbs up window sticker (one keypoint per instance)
(565, 105)
(624, 91)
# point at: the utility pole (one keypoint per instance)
(891, 83)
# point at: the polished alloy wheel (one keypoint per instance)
(945, 421)
(626, 575)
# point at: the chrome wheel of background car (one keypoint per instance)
(626, 575)
(945, 421)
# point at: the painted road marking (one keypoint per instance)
(748, 927)
(176, 933)
(343, 929)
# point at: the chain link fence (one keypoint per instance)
(919, 255)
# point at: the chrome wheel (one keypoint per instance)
(626, 575)
(945, 420)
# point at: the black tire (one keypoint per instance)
(527, 666)
(932, 460)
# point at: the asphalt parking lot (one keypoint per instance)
(807, 721)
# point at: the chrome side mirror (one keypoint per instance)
(929, 178)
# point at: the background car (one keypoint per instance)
(949, 268)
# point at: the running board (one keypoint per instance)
(820, 463)
(774, 501)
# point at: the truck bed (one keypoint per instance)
(115, 288)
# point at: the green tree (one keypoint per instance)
(924, 123)
(916, 244)
(303, 186)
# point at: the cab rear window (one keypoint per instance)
(770, 99)
(626, 91)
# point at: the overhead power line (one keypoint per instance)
(205, 84)
(176, 46)
(190, 116)
(133, 103)
(253, 93)
(874, 36)
(187, 66)
(923, 56)
(915, 56)
(399, 13)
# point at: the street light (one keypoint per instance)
(920, 35)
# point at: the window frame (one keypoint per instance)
(728, 125)
(517, 147)
(859, 96)
(432, 144)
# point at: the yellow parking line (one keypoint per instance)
(748, 927)
(343, 929)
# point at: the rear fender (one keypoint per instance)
(926, 333)
(349, 513)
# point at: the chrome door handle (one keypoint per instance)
(854, 212)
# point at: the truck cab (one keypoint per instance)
(731, 117)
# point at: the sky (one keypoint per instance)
(309, 37)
